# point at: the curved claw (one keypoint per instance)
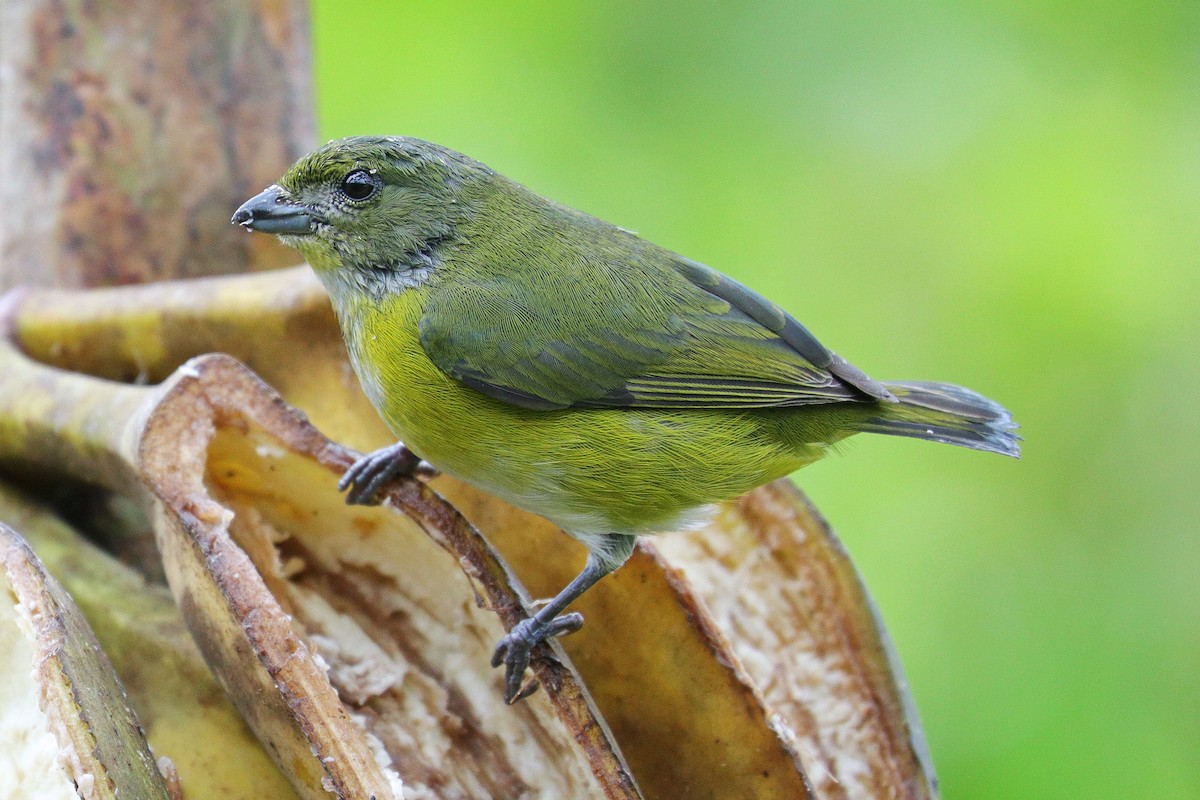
(368, 476)
(514, 650)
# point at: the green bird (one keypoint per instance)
(566, 365)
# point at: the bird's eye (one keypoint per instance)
(360, 184)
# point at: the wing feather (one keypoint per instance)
(631, 335)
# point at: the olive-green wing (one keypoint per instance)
(627, 335)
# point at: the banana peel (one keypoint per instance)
(181, 707)
(707, 687)
(818, 652)
(363, 598)
(68, 730)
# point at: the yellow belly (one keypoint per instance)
(589, 471)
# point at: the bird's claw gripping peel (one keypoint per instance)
(514, 650)
(367, 477)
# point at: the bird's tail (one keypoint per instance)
(943, 412)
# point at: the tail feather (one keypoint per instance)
(943, 412)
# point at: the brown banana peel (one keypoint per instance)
(183, 710)
(68, 731)
(732, 659)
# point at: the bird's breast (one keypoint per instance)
(454, 427)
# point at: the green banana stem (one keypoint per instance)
(66, 423)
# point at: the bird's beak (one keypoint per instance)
(268, 212)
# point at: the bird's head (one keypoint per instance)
(368, 204)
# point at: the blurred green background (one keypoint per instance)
(998, 194)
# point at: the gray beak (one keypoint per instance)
(267, 212)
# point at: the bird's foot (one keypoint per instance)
(368, 476)
(514, 649)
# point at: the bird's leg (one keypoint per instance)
(367, 477)
(514, 649)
